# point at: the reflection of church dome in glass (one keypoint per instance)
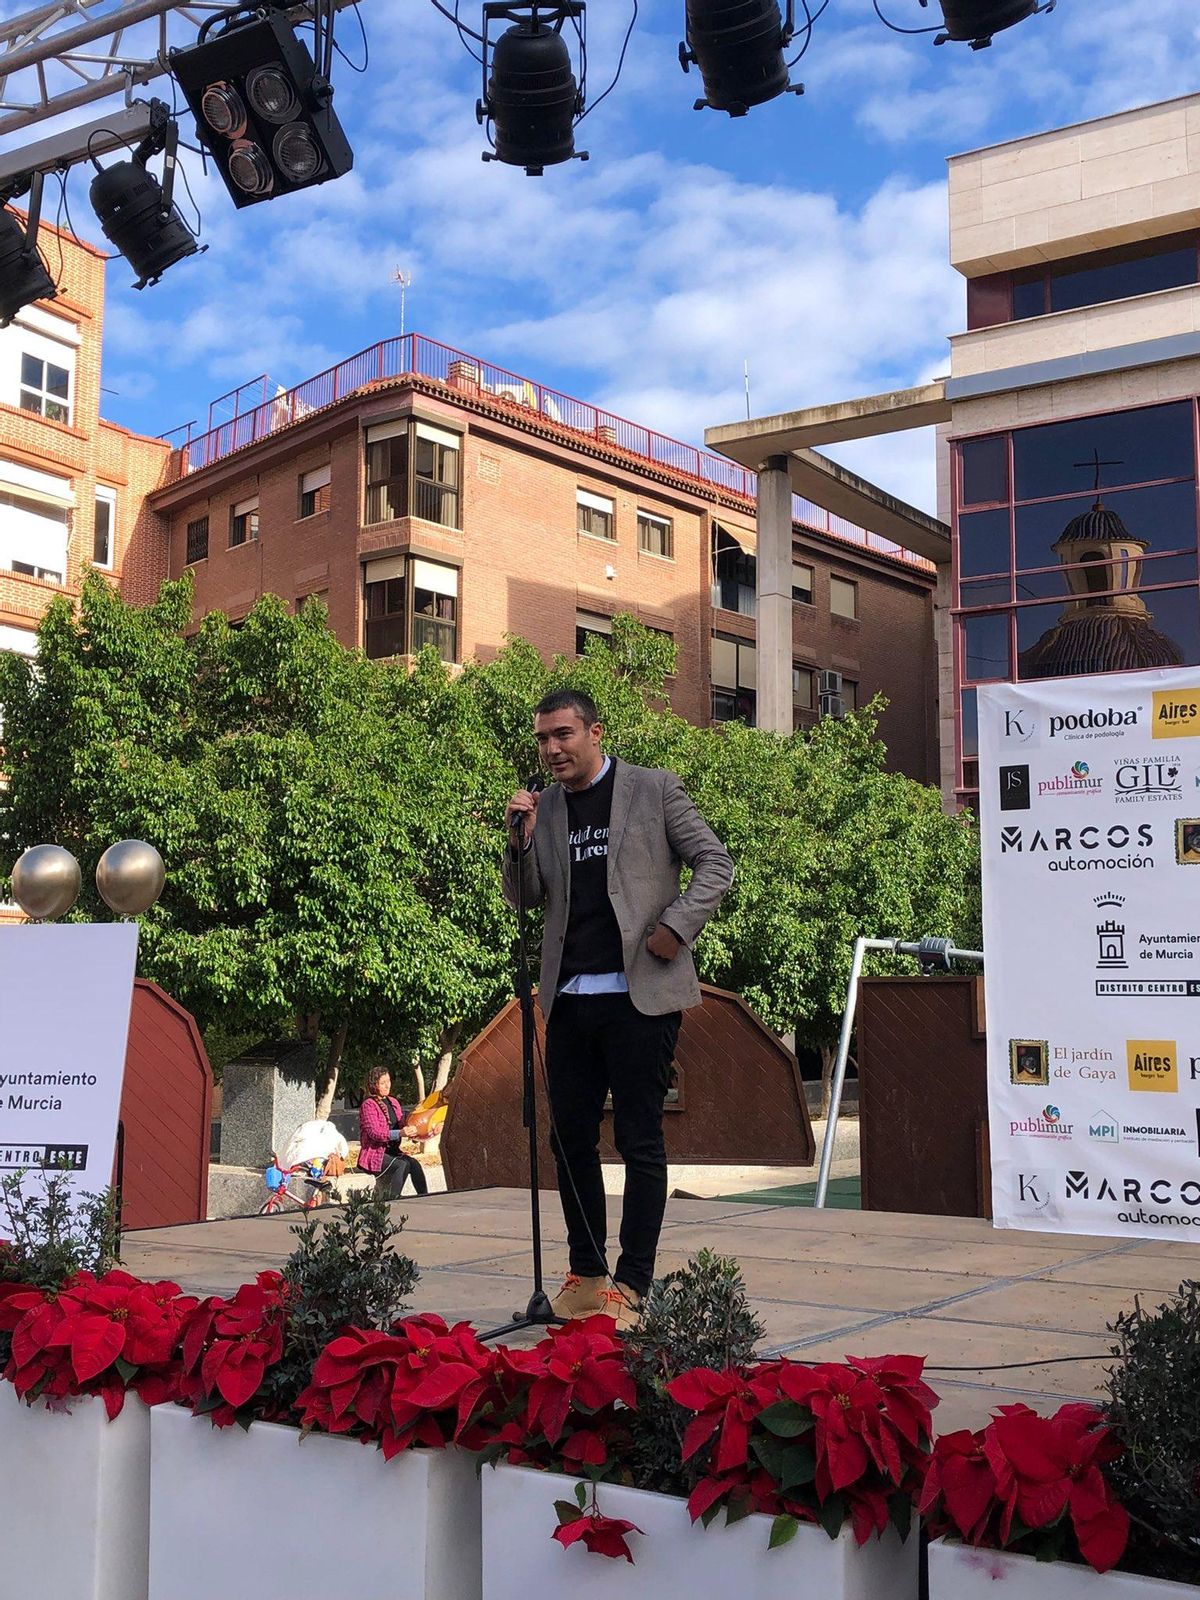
(1100, 631)
(1098, 641)
(1097, 525)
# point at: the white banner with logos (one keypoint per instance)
(1089, 795)
(65, 998)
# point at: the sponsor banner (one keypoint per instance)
(65, 997)
(1090, 814)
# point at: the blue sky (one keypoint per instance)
(808, 238)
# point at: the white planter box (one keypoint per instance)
(236, 1513)
(74, 1499)
(959, 1573)
(522, 1560)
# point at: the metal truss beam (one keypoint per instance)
(71, 53)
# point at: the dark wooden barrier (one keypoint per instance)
(166, 1110)
(922, 1096)
(739, 1100)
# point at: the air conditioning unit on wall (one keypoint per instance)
(829, 683)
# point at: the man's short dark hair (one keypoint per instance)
(568, 700)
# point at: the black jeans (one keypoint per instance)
(596, 1043)
(396, 1167)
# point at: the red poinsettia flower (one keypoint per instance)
(961, 1485)
(98, 1336)
(1046, 1466)
(908, 1401)
(727, 1401)
(229, 1345)
(603, 1536)
(578, 1367)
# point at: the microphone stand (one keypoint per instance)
(539, 1313)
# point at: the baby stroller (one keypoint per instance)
(302, 1178)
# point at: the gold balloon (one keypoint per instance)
(130, 877)
(45, 881)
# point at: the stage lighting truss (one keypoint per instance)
(974, 22)
(532, 99)
(739, 47)
(138, 214)
(23, 274)
(262, 107)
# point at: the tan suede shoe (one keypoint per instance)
(624, 1305)
(580, 1297)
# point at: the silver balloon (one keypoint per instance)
(130, 877)
(46, 881)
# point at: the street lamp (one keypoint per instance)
(262, 107)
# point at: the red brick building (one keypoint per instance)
(426, 496)
(73, 487)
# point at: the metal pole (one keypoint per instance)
(861, 946)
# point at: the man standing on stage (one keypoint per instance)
(603, 848)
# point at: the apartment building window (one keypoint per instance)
(802, 584)
(734, 574)
(104, 527)
(197, 541)
(595, 514)
(35, 522)
(314, 491)
(45, 388)
(849, 694)
(243, 522)
(803, 689)
(410, 603)
(591, 625)
(413, 471)
(655, 534)
(843, 597)
(734, 680)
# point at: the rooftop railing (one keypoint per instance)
(427, 358)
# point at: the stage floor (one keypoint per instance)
(825, 1283)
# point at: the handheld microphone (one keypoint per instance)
(534, 785)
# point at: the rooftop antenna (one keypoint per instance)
(746, 376)
(404, 279)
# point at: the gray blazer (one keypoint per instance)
(653, 828)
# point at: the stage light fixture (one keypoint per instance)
(739, 47)
(137, 213)
(531, 96)
(974, 22)
(262, 107)
(23, 276)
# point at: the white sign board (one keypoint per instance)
(65, 998)
(1090, 810)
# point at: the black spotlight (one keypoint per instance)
(974, 22)
(531, 97)
(136, 212)
(738, 46)
(261, 106)
(23, 277)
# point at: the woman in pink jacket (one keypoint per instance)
(380, 1124)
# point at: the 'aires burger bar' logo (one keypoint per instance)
(1153, 1065)
(1103, 723)
(1176, 714)
(1075, 849)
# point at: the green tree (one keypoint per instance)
(331, 865)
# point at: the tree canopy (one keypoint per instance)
(332, 826)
